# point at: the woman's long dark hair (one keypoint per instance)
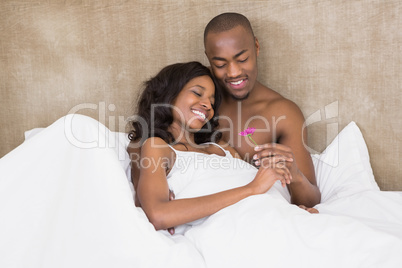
(154, 109)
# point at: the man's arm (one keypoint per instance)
(292, 139)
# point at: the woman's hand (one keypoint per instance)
(311, 210)
(271, 169)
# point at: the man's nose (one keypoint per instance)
(234, 70)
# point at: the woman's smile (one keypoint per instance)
(200, 114)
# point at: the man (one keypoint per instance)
(232, 50)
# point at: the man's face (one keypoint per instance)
(233, 58)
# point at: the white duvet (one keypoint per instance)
(65, 201)
(264, 231)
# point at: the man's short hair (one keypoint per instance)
(227, 21)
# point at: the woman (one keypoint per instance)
(178, 117)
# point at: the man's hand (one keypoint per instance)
(303, 189)
(276, 154)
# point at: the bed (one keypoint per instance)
(340, 61)
(67, 201)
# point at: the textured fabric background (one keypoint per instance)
(339, 60)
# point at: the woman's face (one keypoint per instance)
(193, 106)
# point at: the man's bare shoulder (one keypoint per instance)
(284, 113)
(274, 103)
(265, 94)
(282, 105)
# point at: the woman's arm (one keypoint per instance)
(153, 189)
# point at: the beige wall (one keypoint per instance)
(339, 59)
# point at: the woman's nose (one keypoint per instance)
(206, 104)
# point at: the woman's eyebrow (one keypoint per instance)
(203, 88)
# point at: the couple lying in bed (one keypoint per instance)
(232, 212)
(65, 199)
(181, 153)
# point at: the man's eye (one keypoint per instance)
(244, 60)
(220, 66)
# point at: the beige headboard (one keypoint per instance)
(341, 61)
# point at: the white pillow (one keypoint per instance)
(344, 167)
(32, 132)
